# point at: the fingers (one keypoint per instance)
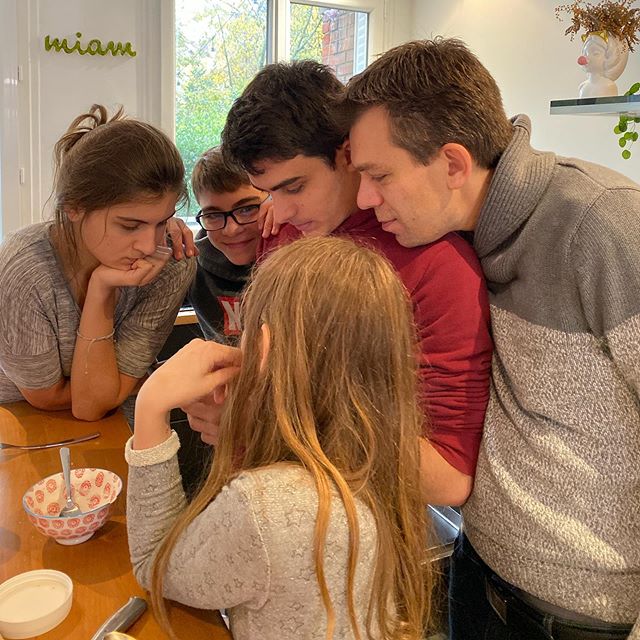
(174, 232)
(267, 221)
(204, 418)
(151, 266)
(181, 236)
(222, 355)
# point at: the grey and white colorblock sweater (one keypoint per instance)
(556, 504)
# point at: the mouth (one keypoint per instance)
(304, 227)
(387, 224)
(240, 243)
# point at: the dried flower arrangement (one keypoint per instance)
(615, 16)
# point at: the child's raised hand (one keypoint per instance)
(199, 369)
(266, 220)
(182, 242)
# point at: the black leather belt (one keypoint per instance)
(531, 622)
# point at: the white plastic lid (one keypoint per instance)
(34, 602)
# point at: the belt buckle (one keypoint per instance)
(497, 602)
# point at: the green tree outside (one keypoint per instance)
(220, 46)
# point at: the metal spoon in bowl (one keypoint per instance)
(70, 508)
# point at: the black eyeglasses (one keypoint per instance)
(217, 220)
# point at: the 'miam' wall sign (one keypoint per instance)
(93, 48)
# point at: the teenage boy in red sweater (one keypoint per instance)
(284, 133)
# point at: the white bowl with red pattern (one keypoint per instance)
(94, 491)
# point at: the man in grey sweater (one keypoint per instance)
(551, 543)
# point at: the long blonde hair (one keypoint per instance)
(337, 396)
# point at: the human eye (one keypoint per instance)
(212, 217)
(130, 227)
(380, 177)
(297, 189)
(248, 210)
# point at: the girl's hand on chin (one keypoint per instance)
(142, 272)
(199, 369)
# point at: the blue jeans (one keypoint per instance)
(471, 616)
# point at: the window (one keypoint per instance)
(221, 44)
(335, 37)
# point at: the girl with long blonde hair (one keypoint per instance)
(310, 524)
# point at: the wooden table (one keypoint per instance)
(100, 568)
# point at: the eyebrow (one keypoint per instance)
(128, 219)
(284, 183)
(239, 203)
(367, 166)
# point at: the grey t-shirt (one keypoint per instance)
(39, 316)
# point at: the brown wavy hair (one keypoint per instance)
(103, 161)
(435, 92)
(337, 396)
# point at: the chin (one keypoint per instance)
(241, 260)
(409, 241)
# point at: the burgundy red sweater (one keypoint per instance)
(451, 310)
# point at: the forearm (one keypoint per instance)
(440, 482)
(95, 379)
(155, 499)
(56, 398)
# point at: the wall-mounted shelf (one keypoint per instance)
(613, 105)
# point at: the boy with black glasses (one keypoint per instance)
(228, 216)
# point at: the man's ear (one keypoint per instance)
(265, 344)
(343, 155)
(459, 164)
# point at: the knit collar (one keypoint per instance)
(518, 183)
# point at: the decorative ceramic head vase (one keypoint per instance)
(604, 58)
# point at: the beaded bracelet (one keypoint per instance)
(91, 342)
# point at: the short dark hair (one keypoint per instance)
(435, 91)
(212, 173)
(288, 109)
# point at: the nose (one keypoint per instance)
(582, 60)
(368, 195)
(147, 240)
(283, 211)
(231, 228)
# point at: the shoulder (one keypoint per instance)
(288, 233)
(599, 204)
(573, 172)
(27, 258)
(449, 261)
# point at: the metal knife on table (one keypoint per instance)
(123, 618)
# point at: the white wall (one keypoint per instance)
(523, 45)
(9, 168)
(57, 86)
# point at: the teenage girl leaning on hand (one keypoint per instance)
(88, 300)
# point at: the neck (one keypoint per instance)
(474, 195)
(349, 186)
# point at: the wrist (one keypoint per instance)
(150, 405)
(100, 291)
